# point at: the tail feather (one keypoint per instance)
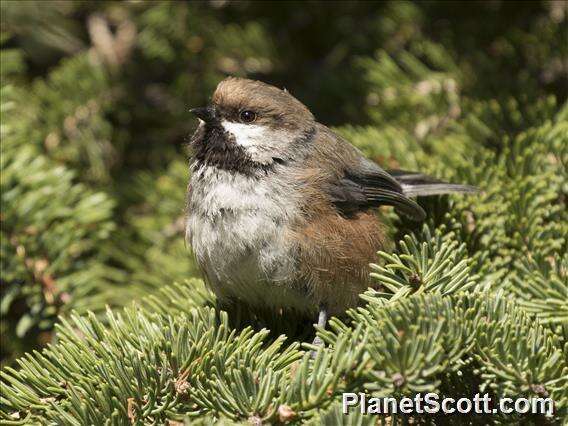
(418, 184)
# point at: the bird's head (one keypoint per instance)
(250, 125)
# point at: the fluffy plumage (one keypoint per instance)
(281, 210)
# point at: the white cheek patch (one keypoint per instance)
(246, 135)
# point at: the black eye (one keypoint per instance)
(247, 116)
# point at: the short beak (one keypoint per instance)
(206, 114)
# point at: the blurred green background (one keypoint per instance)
(95, 109)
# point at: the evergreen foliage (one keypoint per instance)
(52, 228)
(105, 319)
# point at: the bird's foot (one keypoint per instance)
(322, 320)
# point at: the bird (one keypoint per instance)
(281, 211)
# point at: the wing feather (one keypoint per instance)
(369, 186)
(360, 184)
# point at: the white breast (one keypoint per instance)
(237, 228)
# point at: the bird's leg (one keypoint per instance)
(322, 320)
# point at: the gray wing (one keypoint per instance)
(362, 184)
(368, 186)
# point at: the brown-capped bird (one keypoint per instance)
(281, 210)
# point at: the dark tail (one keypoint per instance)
(420, 185)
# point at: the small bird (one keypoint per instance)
(281, 211)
